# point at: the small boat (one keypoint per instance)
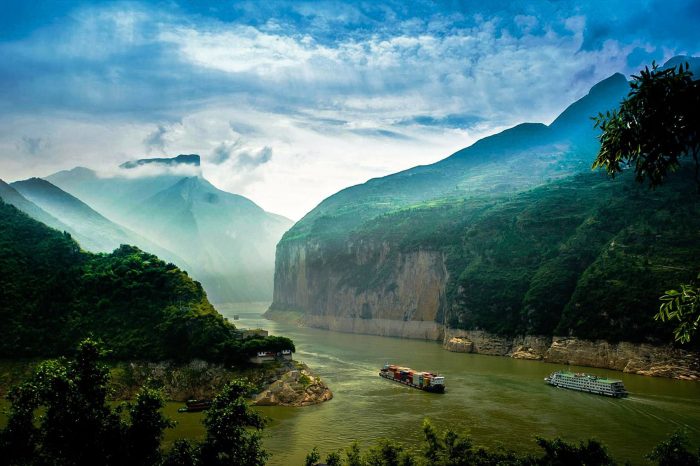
(235, 317)
(194, 406)
(426, 381)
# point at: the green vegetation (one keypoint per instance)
(582, 256)
(77, 426)
(655, 127)
(682, 306)
(450, 448)
(59, 416)
(275, 344)
(54, 295)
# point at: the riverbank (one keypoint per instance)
(634, 358)
(291, 383)
(498, 400)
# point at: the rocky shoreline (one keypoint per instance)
(295, 385)
(280, 383)
(634, 358)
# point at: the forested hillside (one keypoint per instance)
(584, 256)
(53, 294)
(513, 235)
(224, 240)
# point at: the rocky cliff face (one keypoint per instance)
(635, 358)
(366, 288)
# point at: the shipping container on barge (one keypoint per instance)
(587, 383)
(426, 381)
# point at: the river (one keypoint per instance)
(497, 400)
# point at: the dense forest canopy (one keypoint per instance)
(53, 294)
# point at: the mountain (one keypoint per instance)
(54, 295)
(229, 239)
(226, 240)
(111, 194)
(9, 195)
(521, 157)
(93, 231)
(513, 236)
(693, 62)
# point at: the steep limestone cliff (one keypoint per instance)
(512, 236)
(367, 288)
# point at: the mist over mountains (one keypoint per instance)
(164, 206)
(510, 161)
(513, 235)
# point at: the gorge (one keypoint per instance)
(512, 237)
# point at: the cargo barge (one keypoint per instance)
(426, 381)
(587, 383)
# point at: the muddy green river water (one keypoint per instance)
(497, 400)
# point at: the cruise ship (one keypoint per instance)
(587, 383)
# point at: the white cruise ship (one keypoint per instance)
(587, 383)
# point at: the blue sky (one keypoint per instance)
(289, 102)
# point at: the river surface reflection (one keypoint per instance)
(497, 400)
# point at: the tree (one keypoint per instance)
(560, 453)
(229, 441)
(674, 451)
(656, 126)
(145, 431)
(78, 427)
(313, 457)
(334, 459)
(682, 306)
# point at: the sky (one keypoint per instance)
(290, 102)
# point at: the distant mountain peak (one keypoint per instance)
(613, 81)
(40, 184)
(605, 95)
(38, 190)
(182, 159)
(694, 63)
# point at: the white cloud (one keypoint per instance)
(282, 116)
(481, 70)
(150, 170)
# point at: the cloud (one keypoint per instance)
(155, 141)
(252, 160)
(150, 170)
(378, 132)
(223, 152)
(338, 92)
(240, 155)
(32, 145)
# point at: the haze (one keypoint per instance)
(289, 102)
